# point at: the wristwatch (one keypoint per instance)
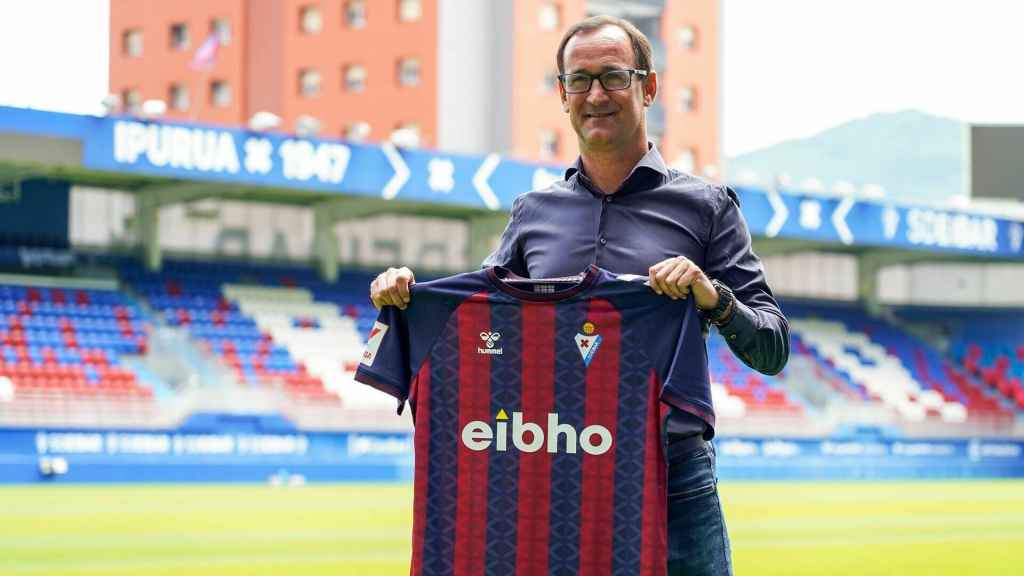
(722, 313)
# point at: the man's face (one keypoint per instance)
(606, 120)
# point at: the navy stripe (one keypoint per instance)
(567, 469)
(630, 432)
(442, 478)
(503, 467)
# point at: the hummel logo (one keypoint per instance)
(489, 338)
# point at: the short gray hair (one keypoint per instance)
(642, 50)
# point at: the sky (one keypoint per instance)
(791, 68)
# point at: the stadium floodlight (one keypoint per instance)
(154, 108)
(263, 121)
(812, 185)
(111, 104)
(872, 191)
(405, 138)
(844, 188)
(307, 126)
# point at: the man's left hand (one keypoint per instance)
(678, 277)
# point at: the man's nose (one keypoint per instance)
(597, 93)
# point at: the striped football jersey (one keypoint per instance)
(538, 408)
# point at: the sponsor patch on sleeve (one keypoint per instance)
(373, 344)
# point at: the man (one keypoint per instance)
(621, 208)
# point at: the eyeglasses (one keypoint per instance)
(611, 80)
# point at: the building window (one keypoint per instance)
(687, 99)
(409, 10)
(177, 96)
(310, 20)
(408, 72)
(406, 135)
(221, 28)
(131, 43)
(357, 132)
(550, 16)
(179, 36)
(309, 82)
(355, 78)
(220, 93)
(548, 144)
(131, 99)
(688, 37)
(307, 126)
(355, 13)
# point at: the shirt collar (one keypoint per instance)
(652, 160)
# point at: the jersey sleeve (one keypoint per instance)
(400, 340)
(682, 360)
(386, 363)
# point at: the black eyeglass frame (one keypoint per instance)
(629, 82)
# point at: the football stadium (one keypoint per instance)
(184, 306)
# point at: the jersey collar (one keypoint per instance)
(503, 279)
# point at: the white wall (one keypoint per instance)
(233, 228)
(954, 284)
(100, 217)
(103, 218)
(420, 243)
(812, 275)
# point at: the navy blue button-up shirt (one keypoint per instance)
(657, 213)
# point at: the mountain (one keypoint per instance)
(912, 155)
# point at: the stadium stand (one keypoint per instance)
(279, 326)
(986, 345)
(737, 390)
(880, 362)
(62, 351)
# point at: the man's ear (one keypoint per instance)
(650, 88)
(562, 96)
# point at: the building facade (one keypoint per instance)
(461, 75)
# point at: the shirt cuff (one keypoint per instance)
(741, 328)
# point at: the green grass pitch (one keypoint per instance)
(933, 528)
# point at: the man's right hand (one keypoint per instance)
(391, 288)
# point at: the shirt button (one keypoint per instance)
(607, 198)
(603, 241)
(732, 337)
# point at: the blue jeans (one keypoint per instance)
(698, 543)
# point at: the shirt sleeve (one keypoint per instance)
(386, 363)
(508, 253)
(758, 332)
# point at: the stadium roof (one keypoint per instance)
(195, 161)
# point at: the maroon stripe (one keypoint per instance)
(601, 407)
(654, 522)
(538, 399)
(421, 435)
(474, 317)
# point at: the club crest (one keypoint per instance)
(587, 342)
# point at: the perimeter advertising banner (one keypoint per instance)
(175, 456)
